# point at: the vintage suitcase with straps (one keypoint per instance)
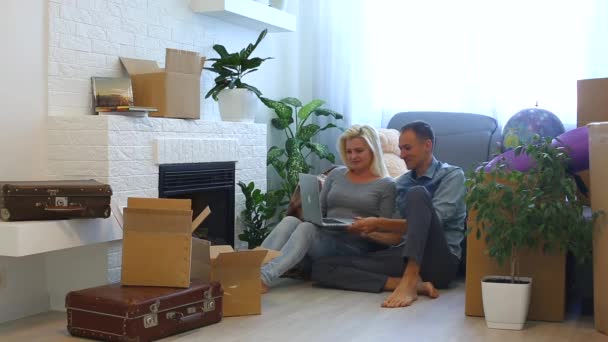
(52, 200)
(142, 313)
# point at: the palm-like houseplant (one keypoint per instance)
(534, 209)
(292, 159)
(235, 97)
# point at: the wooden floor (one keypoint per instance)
(296, 311)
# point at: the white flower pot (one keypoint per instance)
(238, 104)
(505, 305)
(278, 4)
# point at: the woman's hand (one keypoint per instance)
(363, 226)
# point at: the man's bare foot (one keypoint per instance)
(391, 283)
(422, 288)
(427, 289)
(403, 295)
(265, 288)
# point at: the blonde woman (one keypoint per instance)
(362, 188)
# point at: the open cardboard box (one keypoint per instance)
(159, 250)
(237, 271)
(157, 241)
(174, 90)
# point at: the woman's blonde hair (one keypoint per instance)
(370, 136)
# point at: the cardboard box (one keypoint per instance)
(237, 271)
(598, 167)
(157, 242)
(592, 101)
(175, 90)
(548, 272)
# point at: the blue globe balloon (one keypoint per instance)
(521, 127)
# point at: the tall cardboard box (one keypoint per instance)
(598, 167)
(237, 271)
(592, 101)
(548, 273)
(174, 90)
(157, 242)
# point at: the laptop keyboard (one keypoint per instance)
(332, 221)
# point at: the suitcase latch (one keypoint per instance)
(151, 319)
(209, 302)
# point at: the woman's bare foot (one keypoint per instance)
(403, 295)
(427, 289)
(265, 288)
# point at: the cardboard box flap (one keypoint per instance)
(200, 218)
(187, 62)
(269, 256)
(159, 203)
(139, 66)
(201, 263)
(214, 251)
(242, 259)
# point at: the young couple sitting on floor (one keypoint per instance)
(407, 231)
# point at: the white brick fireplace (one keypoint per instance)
(125, 152)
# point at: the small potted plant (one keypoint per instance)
(536, 209)
(237, 100)
(291, 160)
(259, 211)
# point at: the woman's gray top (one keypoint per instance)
(341, 198)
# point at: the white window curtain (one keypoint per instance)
(373, 58)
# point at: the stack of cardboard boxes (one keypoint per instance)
(548, 299)
(159, 250)
(593, 112)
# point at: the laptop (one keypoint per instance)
(311, 206)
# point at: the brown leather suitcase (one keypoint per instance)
(142, 313)
(53, 200)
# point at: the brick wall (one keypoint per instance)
(86, 37)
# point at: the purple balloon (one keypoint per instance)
(521, 163)
(576, 142)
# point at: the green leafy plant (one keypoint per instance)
(259, 210)
(291, 160)
(232, 67)
(534, 209)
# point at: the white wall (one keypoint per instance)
(23, 27)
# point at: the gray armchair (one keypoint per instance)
(461, 139)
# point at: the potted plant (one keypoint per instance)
(536, 209)
(291, 160)
(259, 210)
(237, 100)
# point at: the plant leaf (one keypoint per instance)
(292, 101)
(310, 107)
(283, 111)
(328, 112)
(221, 50)
(307, 132)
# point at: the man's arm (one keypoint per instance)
(449, 196)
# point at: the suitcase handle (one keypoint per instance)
(64, 210)
(184, 319)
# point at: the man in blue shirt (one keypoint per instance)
(425, 238)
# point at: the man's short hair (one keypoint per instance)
(422, 130)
